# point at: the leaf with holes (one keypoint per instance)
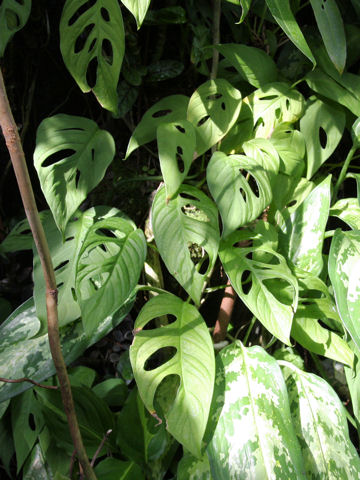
(344, 273)
(246, 61)
(263, 151)
(319, 419)
(331, 27)
(274, 104)
(71, 157)
(92, 43)
(108, 268)
(272, 293)
(138, 8)
(176, 145)
(240, 132)
(213, 109)
(290, 145)
(169, 109)
(322, 126)
(186, 228)
(193, 363)
(238, 200)
(13, 17)
(302, 236)
(348, 210)
(254, 436)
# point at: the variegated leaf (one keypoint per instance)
(192, 468)
(348, 210)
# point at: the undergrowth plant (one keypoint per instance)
(249, 193)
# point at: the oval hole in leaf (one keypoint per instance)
(59, 285)
(180, 128)
(91, 46)
(254, 185)
(322, 137)
(107, 51)
(180, 163)
(158, 358)
(203, 120)
(152, 324)
(188, 197)
(246, 281)
(74, 294)
(57, 157)
(81, 39)
(223, 106)
(205, 261)
(291, 204)
(268, 97)
(61, 265)
(105, 232)
(161, 113)
(68, 239)
(81, 10)
(91, 74)
(25, 232)
(31, 421)
(277, 113)
(77, 178)
(105, 14)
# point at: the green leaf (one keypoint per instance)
(138, 8)
(273, 293)
(353, 382)
(240, 132)
(176, 145)
(290, 145)
(263, 151)
(185, 224)
(238, 200)
(81, 375)
(245, 5)
(283, 15)
(302, 236)
(330, 24)
(108, 268)
(344, 273)
(193, 363)
(254, 436)
(113, 469)
(247, 60)
(71, 157)
(322, 126)
(92, 43)
(191, 468)
(164, 70)
(213, 109)
(274, 104)
(13, 17)
(348, 210)
(355, 133)
(321, 427)
(113, 391)
(20, 237)
(169, 109)
(36, 467)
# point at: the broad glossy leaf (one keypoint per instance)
(213, 109)
(92, 43)
(36, 467)
(25, 353)
(348, 210)
(290, 145)
(240, 132)
(283, 15)
(344, 273)
(253, 64)
(138, 8)
(274, 104)
(113, 469)
(108, 268)
(254, 436)
(19, 238)
(263, 151)
(238, 200)
(191, 468)
(176, 146)
(13, 16)
(302, 236)
(322, 126)
(321, 427)
(71, 157)
(169, 109)
(182, 225)
(193, 363)
(272, 293)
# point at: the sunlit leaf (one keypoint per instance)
(112, 468)
(263, 151)
(240, 132)
(13, 16)
(138, 8)
(290, 145)
(192, 468)
(348, 210)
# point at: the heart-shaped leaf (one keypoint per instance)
(176, 145)
(13, 16)
(193, 362)
(108, 268)
(238, 200)
(71, 157)
(213, 109)
(169, 109)
(183, 227)
(273, 293)
(254, 436)
(92, 43)
(138, 8)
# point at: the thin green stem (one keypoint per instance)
(248, 331)
(150, 288)
(262, 18)
(344, 171)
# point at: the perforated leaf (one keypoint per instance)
(254, 436)
(176, 145)
(13, 17)
(272, 293)
(193, 363)
(263, 151)
(213, 109)
(182, 227)
(290, 145)
(71, 157)
(344, 273)
(108, 268)
(238, 200)
(321, 427)
(322, 126)
(138, 8)
(169, 109)
(92, 43)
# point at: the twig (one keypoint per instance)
(100, 447)
(216, 37)
(225, 312)
(25, 379)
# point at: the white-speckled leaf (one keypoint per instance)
(348, 210)
(344, 273)
(321, 427)
(193, 363)
(239, 201)
(302, 236)
(188, 221)
(192, 468)
(254, 437)
(273, 292)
